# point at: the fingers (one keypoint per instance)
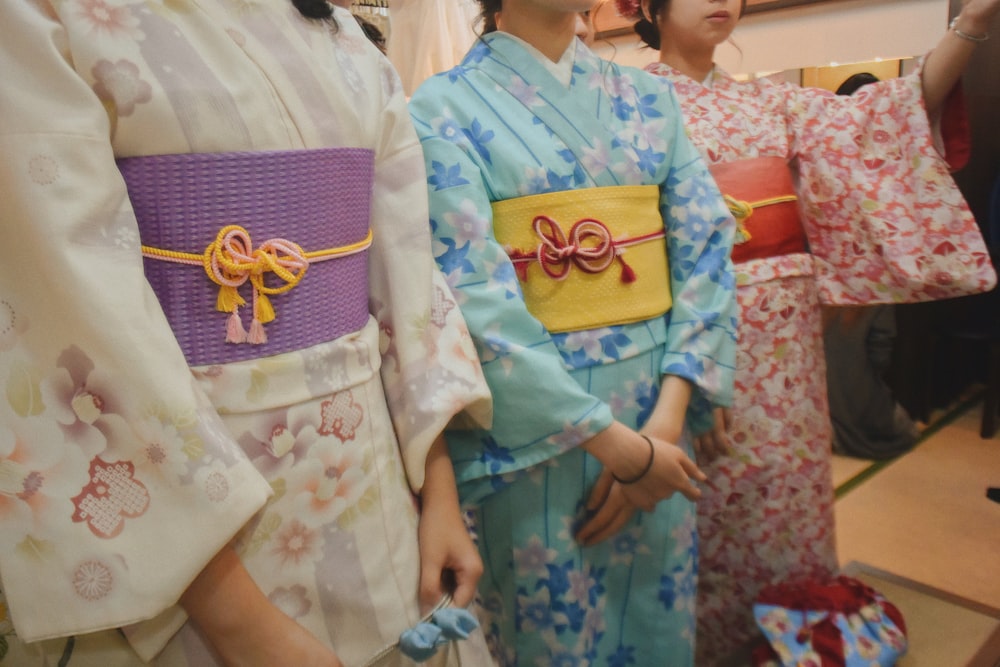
(431, 588)
(466, 578)
(692, 470)
(607, 521)
(602, 487)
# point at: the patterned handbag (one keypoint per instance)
(840, 623)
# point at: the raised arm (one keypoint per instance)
(945, 64)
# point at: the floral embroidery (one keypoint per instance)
(294, 600)
(104, 18)
(296, 543)
(341, 416)
(121, 83)
(111, 496)
(93, 580)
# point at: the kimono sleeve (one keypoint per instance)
(539, 409)
(108, 450)
(429, 365)
(883, 216)
(701, 332)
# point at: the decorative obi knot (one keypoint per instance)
(589, 246)
(231, 260)
(761, 196)
(256, 222)
(574, 289)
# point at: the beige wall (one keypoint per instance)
(840, 31)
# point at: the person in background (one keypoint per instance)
(373, 32)
(842, 200)
(428, 36)
(183, 486)
(588, 248)
(585, 27)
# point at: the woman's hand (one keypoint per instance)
(672, 471)
(242, 625)
(608, 508)
(449, 561)
(715, 442)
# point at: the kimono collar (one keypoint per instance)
(574, 112)
(562, 70)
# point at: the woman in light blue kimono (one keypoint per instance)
(541, 161)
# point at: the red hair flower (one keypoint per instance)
(630, 9)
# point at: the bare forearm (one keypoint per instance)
(667, 419)
(945, 64)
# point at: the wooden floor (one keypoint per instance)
(922, 528)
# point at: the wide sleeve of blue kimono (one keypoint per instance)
(701, 336)
(539, 409)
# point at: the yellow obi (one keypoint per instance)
(588, 258)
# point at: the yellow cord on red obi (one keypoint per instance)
(742, 210)
(231, 260)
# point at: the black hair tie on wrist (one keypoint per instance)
(649, 465)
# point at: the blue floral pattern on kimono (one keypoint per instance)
(501, 126)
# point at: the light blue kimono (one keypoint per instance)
(500, 126)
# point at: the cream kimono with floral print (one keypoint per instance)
(123, 471)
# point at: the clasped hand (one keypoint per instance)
(611, 504)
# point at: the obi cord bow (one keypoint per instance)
(742, 210)
(589, 246)
(442, 625)
(231, 260)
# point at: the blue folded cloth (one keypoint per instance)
(422, 640)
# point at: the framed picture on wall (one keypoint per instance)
(607, 22)
(757, 6)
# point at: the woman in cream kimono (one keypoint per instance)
(569, 210)
(266, 492)
(849, 202)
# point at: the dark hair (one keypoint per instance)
(373, 33)
(488, 14)
(855, 81)
(649, 29)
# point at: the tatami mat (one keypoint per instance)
(923, 524)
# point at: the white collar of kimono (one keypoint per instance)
(561, 70)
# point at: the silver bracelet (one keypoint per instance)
(953, 26)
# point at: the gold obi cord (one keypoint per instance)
(562, 245)
(231, 260)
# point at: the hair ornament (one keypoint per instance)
(630, 9)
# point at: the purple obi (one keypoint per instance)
(253, 254)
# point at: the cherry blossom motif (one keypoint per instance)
(84, 401)
(441, 307)
(161, 448)
(216, 487)
(43, 169)
(36, 466)
(112, 495)
(121, 83)
(328, 482)
(293, 601)
(93, 580)
(341, 416)
(110, 20)
(296, 543)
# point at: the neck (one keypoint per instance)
(696, 65)
(548, 31)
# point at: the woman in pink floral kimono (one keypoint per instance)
(843, 200)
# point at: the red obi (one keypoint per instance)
(761, 196)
